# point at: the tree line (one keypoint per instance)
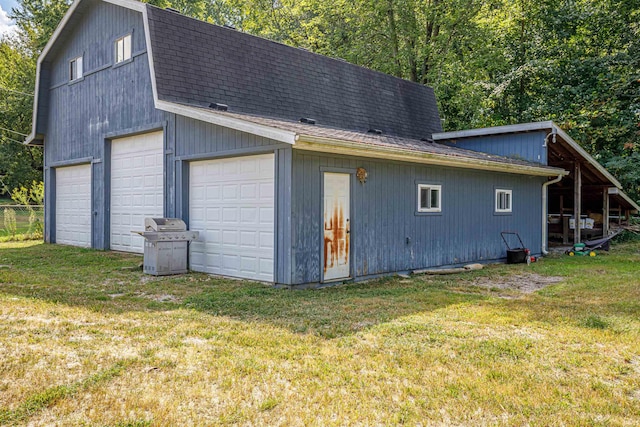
(490, 62)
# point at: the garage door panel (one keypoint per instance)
(73, 205)
(266, 239)
(137, 187)
(231, 205)
(266, 216)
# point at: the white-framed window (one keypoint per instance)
(123, 48)
(75, 68)
(503, 201)
(429, 198)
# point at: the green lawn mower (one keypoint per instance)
(580, 249)
(589, 247)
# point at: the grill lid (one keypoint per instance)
(169, 236)
(164, 224)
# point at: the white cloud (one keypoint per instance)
(6, 25)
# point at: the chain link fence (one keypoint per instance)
(20, 222)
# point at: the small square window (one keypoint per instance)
(123, 48)
(503, 201)
(429, 198)
(75, 68)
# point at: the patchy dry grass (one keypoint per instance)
(86, 341)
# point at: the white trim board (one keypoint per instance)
(326, 145)
(496, 130)
(288, 137)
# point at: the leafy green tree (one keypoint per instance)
(18, 163)
(36, 20)
(491, 62)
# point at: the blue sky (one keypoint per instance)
(5, 9)
(7, 5)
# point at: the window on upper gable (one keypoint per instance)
(123, 49)
(75, 68)
(503, 201)
(429, 198)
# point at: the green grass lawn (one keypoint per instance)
(87, 340)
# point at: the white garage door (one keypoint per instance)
(137, 188)
(231, 204)
(73, 205)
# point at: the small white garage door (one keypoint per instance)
(231, 204)
(73, 205)
(137, 188)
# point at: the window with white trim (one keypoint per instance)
(503, 201)
(429, 198)
(123, 48)
(75, 68)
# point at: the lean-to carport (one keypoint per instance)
(589, 192)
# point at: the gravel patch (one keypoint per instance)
(523, 283)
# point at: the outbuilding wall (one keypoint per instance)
(529, 146)
(110, 100)
(116, 100)
(388, 235)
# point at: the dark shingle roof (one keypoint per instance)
(199, 63)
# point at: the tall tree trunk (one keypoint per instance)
(393, 35)
(413, 63)
(523, 60)
(433, 30)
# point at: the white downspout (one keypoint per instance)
(545, 234)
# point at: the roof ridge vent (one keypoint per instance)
(308, 121)
(218, 106)
(375, 131)
(229, 26)
(171, 9)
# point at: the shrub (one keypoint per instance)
(10, 223)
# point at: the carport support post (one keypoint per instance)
(605, 211)
(577, 200)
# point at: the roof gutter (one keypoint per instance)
(545, 221)
(336, 146)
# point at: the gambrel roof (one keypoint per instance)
(268, 87)
(199, 63)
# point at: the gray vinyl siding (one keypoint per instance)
(109, 101)
(112, 101)
(108, 98)
(383, 216)
(528, 146)
(196, 138)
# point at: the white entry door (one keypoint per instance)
(231, 204)
(337, 227)
(137, 188)
(73, 205)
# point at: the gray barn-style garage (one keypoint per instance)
(295, 168)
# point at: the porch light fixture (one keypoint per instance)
(361, 174)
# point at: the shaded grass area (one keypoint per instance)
(86, 339)
(110, 281)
